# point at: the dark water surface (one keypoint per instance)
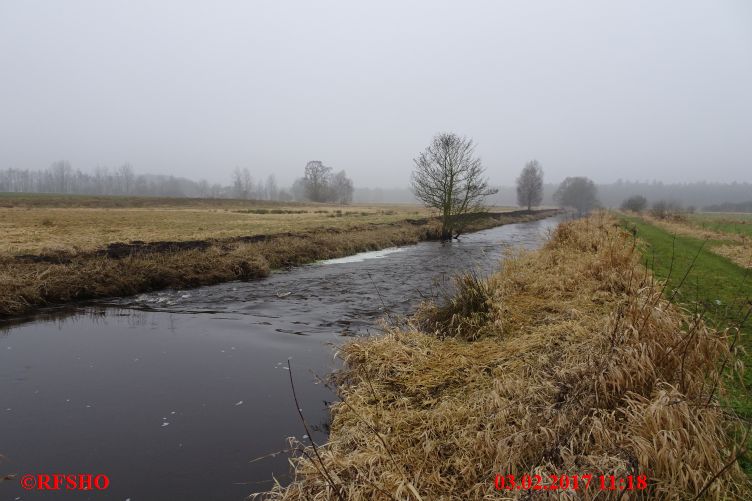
(171, 394)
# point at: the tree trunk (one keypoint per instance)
(446, 226)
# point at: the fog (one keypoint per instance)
(634, 90)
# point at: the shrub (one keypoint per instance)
(667, 209)
(635, 203)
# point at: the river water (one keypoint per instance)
(172, 394)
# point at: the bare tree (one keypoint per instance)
(203, 188)
(242, 183)
(298, 190)
(530, 185)
(61, 173)
(317, 181)
(448, 177)
(578, 193)
(270, 188)
(237, 183)
(342, 188)
(126, 178)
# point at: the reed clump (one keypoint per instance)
(469, 313)
(583, 367)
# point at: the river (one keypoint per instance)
(172, 394)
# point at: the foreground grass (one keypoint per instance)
(51, 255)
(569, 361)
(706, 282)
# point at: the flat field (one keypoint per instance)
(54, 223)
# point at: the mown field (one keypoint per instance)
(56, 249)
(708, 284)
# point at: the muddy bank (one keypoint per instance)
(32, 281)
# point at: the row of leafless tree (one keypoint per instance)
(60, 177)
(450, 179)
(319, 184)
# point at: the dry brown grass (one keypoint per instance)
(740, 254)
(27, 285)
(52, 229)
(582, 367)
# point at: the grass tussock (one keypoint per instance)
(583, 367)
(468, 314)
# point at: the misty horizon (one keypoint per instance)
(635, 90)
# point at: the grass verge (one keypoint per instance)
(729, 240)
(711, 285)
(569, 361)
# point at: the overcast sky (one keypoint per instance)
(635, 90)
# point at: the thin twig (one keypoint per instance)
(310, 436)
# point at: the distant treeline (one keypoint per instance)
(60, 177)
(730, 207)
(708, 196)
(319, 184)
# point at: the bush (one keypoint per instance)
(667, 209)
(635, 203)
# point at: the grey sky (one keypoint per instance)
(635, 90)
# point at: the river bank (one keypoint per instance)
(172, 393)
(30, 281)
(567, 362)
